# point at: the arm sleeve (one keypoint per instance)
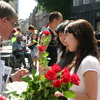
(90, 64)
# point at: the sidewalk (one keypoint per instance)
(16, 86)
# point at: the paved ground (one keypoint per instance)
(15, 86)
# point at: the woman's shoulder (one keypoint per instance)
(90, 63)
(90, 58)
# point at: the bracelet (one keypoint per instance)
(10, 79)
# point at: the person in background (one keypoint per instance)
(8, 18)
(55, 18)
(12, 36)
(19, 50)
(34, 36)
(80, 38)
(18, 32)
(24, 38)
(65, 57)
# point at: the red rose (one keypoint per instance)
(3, 98)
(41, 48)
(65, 77)
(66, 70)
(75, 79)
(57, 83)
(46, 32)
(51, 75)
(56, 68)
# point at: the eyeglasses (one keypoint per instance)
(14, 24)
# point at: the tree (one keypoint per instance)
(62, 6)
(7, 1)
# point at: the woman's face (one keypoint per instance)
(72, 42)
(62, 38)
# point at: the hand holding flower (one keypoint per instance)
(58, 94)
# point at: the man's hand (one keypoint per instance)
(19, 74)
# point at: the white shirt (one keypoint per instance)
(88, 63)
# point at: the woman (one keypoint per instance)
(80, 38)
(65, 57)
(33, 44)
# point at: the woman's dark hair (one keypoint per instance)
(60, 28)
(82, 30)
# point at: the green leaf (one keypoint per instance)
(20, 99)
(36, 78)
(69, 94)
(43, 78)
(46, 54)
(33, 72)
(26, 78)
(46, 92)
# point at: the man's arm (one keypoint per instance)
(17, 76)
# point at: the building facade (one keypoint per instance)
(86, 9)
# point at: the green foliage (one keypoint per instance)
(39, 88)
(44, 59)
(62, 6)
(7, 1)
(69, 94)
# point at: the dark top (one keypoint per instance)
(66, 59)
(52, 49)
(36, 39)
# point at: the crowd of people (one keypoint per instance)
(72, 44)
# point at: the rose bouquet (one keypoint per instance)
(44, 86)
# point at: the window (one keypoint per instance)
(86, 1)
(75, 2)
(98, 25)
(97, 0)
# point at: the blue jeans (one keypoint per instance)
(34, 52)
